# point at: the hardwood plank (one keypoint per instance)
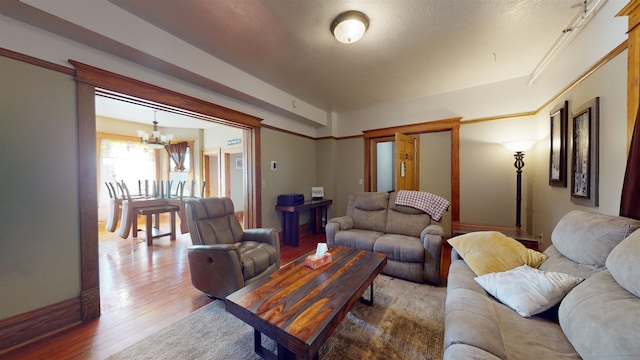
(143, 289)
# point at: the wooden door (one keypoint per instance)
(405, 162)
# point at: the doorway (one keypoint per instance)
(450, 127)
(224, 174)
(395, 163)
(88, 79)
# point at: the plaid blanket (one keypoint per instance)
(432, 204)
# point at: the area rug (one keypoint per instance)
(406, 322)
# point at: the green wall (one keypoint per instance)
(296, 171)
(39, 212)
(551, 203)
(327, 177)
(349, 170)
(435, 169)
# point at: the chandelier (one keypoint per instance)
(155, 140)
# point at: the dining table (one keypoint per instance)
(130, 207)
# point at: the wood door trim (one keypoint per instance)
(89, 78)
(452, 125)
(124, 85)
(227, 175)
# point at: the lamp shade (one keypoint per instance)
(518, 146)
(350, 26)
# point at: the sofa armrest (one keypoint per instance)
(264, 235)
(432, 237)
(214, 248)
(344, 222)
(335, 225)
(433, 229)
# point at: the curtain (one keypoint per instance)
(630, 200)
(177, 153)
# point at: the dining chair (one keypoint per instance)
(192, 189)
(115, 202)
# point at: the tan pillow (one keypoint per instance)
(492, 251)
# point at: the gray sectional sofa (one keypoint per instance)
(409, 237)
(597, 319)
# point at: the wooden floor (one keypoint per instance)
(142, 289)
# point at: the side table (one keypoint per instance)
(460, 228)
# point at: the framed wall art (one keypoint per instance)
(585, 161)
(558, 141)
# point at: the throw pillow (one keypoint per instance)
(492, 251)
(526, 290)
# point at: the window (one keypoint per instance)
(126, 161)
(183, 175)
(122, 160)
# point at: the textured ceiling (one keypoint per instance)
(413, 48)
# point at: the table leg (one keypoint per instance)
(173, 225)
(291, 225)
(134, 223)
(295, 229)
(318, 220)
(370, 301)
(315, 223)
(148, 229)
(283, 352)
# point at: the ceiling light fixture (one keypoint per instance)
(156, 140)
(350, 26)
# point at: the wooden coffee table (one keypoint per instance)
(299, 307)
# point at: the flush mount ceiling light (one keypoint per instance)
(349, 26)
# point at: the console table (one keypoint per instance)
(291, 219)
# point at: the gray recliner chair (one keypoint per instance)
(224, 257)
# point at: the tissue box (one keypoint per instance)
(315, 262)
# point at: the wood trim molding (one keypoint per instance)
(87, 180)
(430, 126)
(253, 171)
(28, 327)
(452, 125)
(287, 132)
(128, 86)
(35, 61)
(455, 173)
(632, 11)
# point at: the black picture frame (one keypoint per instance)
(585, 162)
(558, 145)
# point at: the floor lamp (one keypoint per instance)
(518, 148)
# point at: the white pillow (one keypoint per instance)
(526, 290)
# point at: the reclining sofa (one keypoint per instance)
(409, 237)
(597, 319)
